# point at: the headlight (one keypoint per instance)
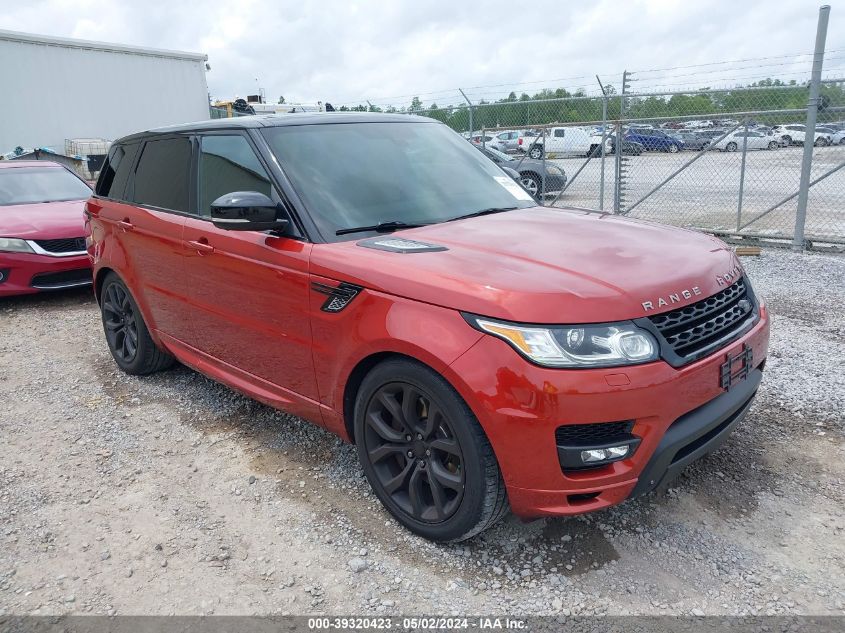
(12, 245)
(580, 346)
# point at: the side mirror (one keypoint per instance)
(247, 211)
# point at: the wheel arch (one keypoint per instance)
(360, 371)
(99, 278)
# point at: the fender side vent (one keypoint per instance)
(339, 296)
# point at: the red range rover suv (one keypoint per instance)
(42, 236)
(379, 276)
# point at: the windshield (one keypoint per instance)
(361, 174)
(29, 185)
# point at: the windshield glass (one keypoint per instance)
(360, 174)
(28, 185)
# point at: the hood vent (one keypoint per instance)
(400, 245)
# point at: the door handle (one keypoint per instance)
(201, 246)
(126, 225)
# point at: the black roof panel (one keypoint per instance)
(277, 120)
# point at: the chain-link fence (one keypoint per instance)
(727, 161)
(739, 160)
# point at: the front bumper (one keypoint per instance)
(27, 273)
(678, 414)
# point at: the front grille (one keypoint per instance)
(69, 245)
(66, 278)
(695, 328)
(592, 434)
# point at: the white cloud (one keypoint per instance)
(348, 51)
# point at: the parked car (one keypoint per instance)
(795, 134)
(711, 135)
(479, 139)
(560, 141)
(838, 138)
(42, 243)
(376, 275)
(692, 141)
(536, 177)
(654, 140)
(629, 148)
(507, 141)
(752, 140)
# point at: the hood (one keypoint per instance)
(43, 221)
(542, 265)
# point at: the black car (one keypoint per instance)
(532, 173)
(631, 148)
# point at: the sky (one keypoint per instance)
(350, 51)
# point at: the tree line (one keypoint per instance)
(560, 106)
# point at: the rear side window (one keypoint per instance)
(560, 133)
(162, 175)
(227, 164)
(115, 172)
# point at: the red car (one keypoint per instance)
(379, 276)
(42, 243)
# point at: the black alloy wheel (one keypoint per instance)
(128, 338)
(414, 452)
(425, 454)
(120, 323)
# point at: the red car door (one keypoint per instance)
(248, 290)
(146, 219)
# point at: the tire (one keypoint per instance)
(449, 442)
(535, 152)
(672, 149)
(126, 333)
(731, 147)
(820, 142)
(786, 139)
(531, 182)
(773, 145)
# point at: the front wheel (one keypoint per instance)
(425, 454)
(531, 183)
(673, 149)
(731, 147)
(536, 152)
(786, 139)
(127, 335)
(773, 144)
(820, 142)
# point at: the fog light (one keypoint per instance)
(595, 455)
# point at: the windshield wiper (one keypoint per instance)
(381, 227)
(489, 211)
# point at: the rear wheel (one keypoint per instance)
(786, 139)
(773, 144)
(127, 335)
(672, 149)
(425, 454)
(821, 142)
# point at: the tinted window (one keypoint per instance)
(351, 175)
(227, 164)
(25, 185)
(115, 172)
(560, 133)
(161, 178)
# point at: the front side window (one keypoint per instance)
(161, 177)
(228, 164)
(30, 185)
(361, 174)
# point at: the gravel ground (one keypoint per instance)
(172, 495)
